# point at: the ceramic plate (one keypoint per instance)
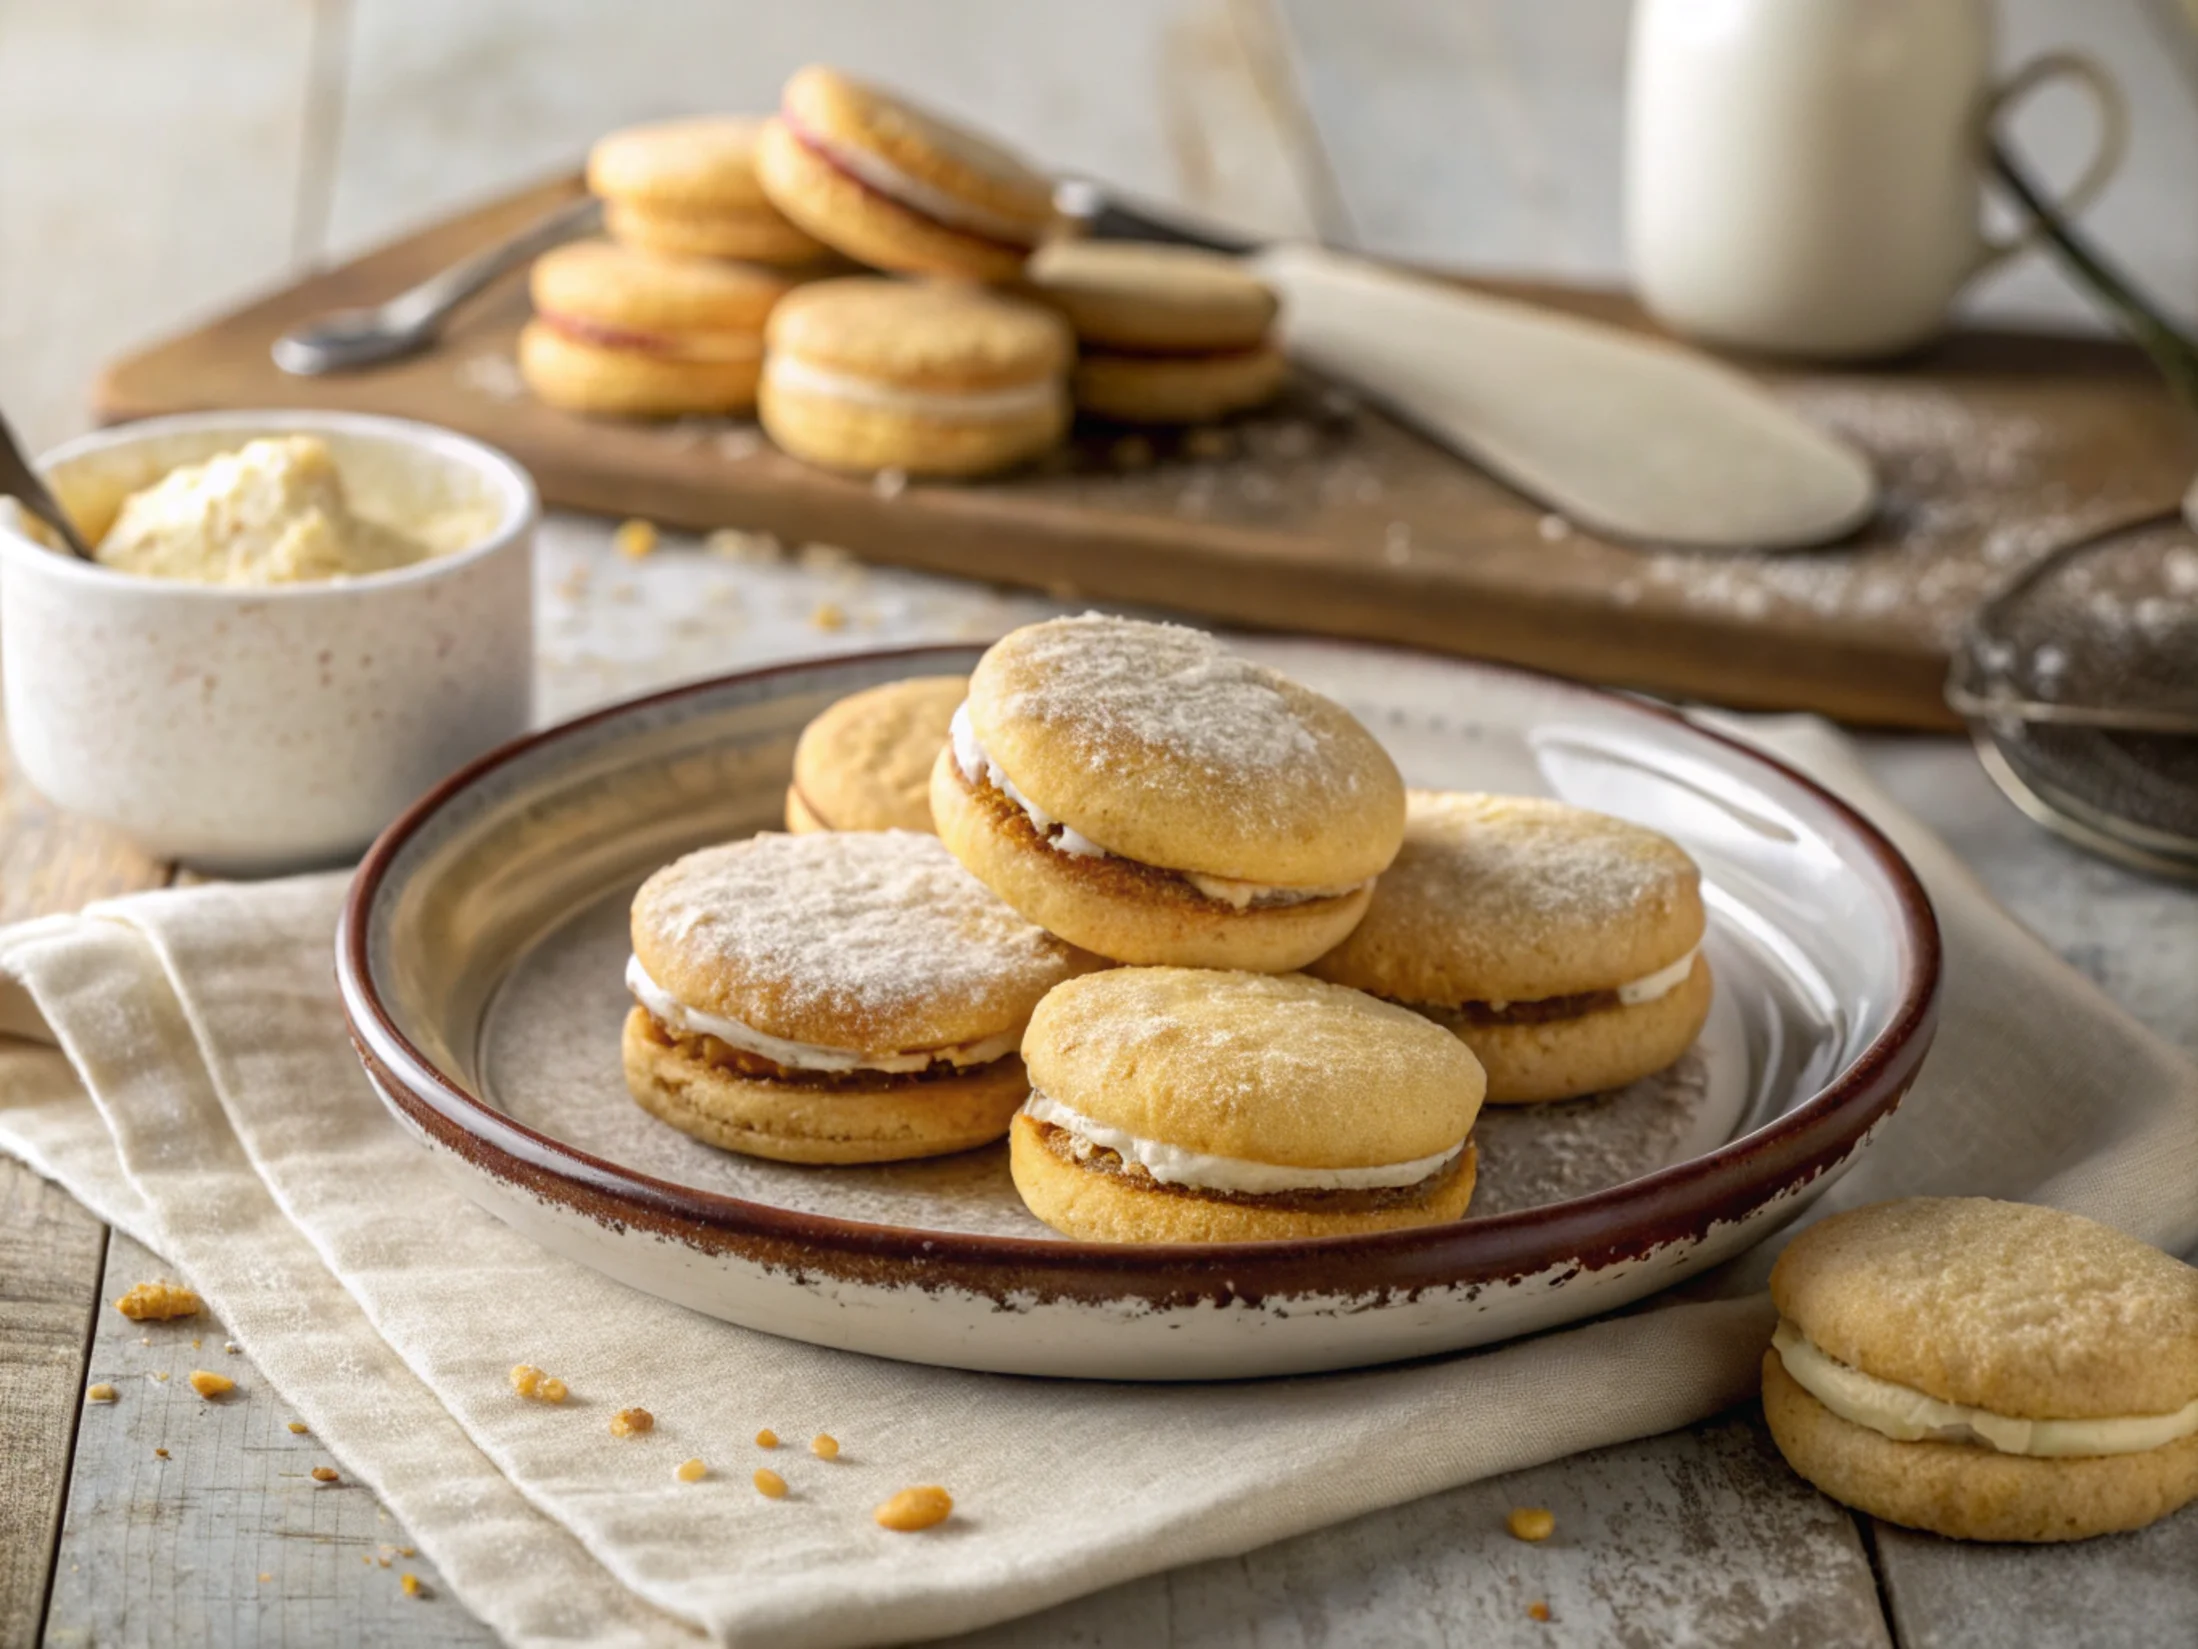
(481, 957)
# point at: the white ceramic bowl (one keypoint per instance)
(254, 730)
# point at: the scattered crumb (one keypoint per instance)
(1555, 529)
(1530, 1523)
(160, 1454)
(829, 615)
(157, 1303)
(691, 1471)
(297, 1426)
(825, 1446)
(411, 1584)
(825, 558)
(325, 1474)
(1537, 1610)
(100, 1393)
(161, 1375)
(194, 1345)
(230, 1346)
(755, 548)
(574, 584)
(769, 1484)
(265, 1577)
(408, 1551)
(635, 539)
(632, 1422)
(144, 1339)
(917, 1508)
(889, 483)
(211, 1385)
(765, 1439)
(529, 1381)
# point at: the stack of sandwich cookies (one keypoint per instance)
(1166, 334)
(1144, 794)
(1986, 1370)
(1177, 1105)
(867, 374)
(1562, 946)
(622, 331)
(865, 764)
(832, 998)
(689, 188)
(896, 187)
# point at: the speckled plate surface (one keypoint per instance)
(481, 959)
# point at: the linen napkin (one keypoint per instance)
(180, 1064)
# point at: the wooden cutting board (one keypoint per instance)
(1327, 516)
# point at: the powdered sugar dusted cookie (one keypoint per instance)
(1145, 794)
(1181, 1105)
(1986, 1370)
(1562, 946)
(851, 997)
(865, 764)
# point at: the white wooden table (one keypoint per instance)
(158, 159)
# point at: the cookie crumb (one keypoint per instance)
(916, 1508)
(411, 1584)
(160, 1454)
(1530, 1523)
(157, 1302)
(161, 1375)
(632, 1422)
(825, 1446)
(265, 1577)
(100, 1393)
(636, 539)
(325, 1474)
(230, 1346)
(829, 616)
(1537, 1610)
(753, 548)
(194, 1345)
(297, 1426)
(208, 1384)
(766, 1438)
(408, 1551)
(691, 1471)
(769, 1484)
(529, 1381)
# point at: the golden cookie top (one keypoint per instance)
(2024, 1311)
(938, 335)
(1516, 899)
(1273, 1068)
(872, 941)
(1132, 295)
(1156, 743)
(623, 286)
(703, 164)
(865, 763)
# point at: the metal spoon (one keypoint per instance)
(18, 479)
(351, 338)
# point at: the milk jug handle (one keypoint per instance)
(2113, 107)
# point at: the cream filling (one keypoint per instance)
(1202, 1171)
(968, 406)
(1650, 988)
(1910, 1416)
(682, 1020)
(928, 198)
(978, 767)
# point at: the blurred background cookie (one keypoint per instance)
(897, 187)
(1165, 334)
(619, 330)
(833, 997)
(1140, 791)
(931, 378)
(865, 764)
(1562, 946)
(1179, 1105)
(1986, 1370)
(689, 187)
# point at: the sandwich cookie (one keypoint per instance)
(1562, 946)
(934, 378)
(1144, 794)
(832, 998)
(688, 187)
(1179, 1105)
(1986, 1370)
(1165, 334)
(897, 187)
(865, 764)
(616, 330)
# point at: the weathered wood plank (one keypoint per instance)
(1701, 1537)
(228, 1539)
(2130, 1591)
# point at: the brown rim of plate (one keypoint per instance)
(1624, 1222)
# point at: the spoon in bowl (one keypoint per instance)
(19, 480)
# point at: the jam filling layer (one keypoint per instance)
(877, 176)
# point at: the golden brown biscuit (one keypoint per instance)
(1186, 1105)
(836, 997)
(1561, 945)
(1177, 389)
(689, 188)
(1986, 1370)
(896, 187)
(932, 379)
(865, 763)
